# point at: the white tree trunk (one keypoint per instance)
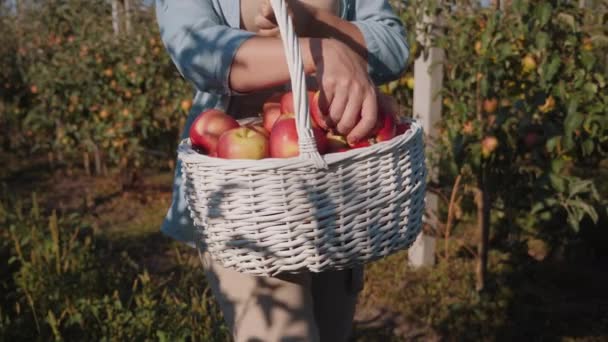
(428, 80)
(127, 6)
(115, 18)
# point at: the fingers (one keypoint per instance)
(269, 33)
(369, 115)
(263, 23)
(326, 97)
(352, 112)
(267, 12)
(337, 105)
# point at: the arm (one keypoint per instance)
(385, 39)
(199, 45)
(372, 30)
(217, 58)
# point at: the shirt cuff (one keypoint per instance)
(372, 48)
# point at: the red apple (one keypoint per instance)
(207, 128)
(402, 127)
(287, 105)
(284, 138)
(242, 143)
(388, 128)
(336, 143)
(259, 128)
(315, 111)
(271, 110)
(363, 143)
(488, 145)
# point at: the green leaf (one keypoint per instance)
(557, 165)
(567, 19)
(573, 121)
(544, 14)
(552, 144)
(587, 147)
(600, 79)
(580, 186)
(590, 88)
(552, 67)
(521, 6)
(542, 40)
(588, 60)
(557, 182)
(589, 210)
(573, 221)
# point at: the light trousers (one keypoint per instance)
(290, 307)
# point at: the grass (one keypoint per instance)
(528, 298)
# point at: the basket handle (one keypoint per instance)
(306, 139)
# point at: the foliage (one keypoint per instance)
(81, 89)
(62, 282)
(525, 107)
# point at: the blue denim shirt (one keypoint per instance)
(202, 36)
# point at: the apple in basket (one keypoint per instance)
(336, 143)
(258, 127)
(208, 127)
(362, 143)
(388, 127)
(284, 138)
(242, 143)
(314, 106)
(402, 127)
(315, 111)
(287, 106)
(271, 110)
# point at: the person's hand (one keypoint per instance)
(265, 20)
(301, 12)
(348, 96)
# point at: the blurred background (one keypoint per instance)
(91, 109)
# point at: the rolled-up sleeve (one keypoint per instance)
(384, 35)
(199, 44)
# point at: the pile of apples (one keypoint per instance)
(217, 134)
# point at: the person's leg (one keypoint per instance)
(263, 308)
(335, 298)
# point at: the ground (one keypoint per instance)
(528, 297)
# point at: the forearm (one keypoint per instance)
(260, 63)
(327, 25)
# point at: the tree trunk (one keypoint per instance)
(97, 156)
(51, 158)
(450, 219)
(127, 7)
(86, 162)
(483, 224)
(115, 18)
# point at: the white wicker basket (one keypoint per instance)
(312, 212)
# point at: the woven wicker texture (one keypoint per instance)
(312, 212)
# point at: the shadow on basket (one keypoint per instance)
(309, 224)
